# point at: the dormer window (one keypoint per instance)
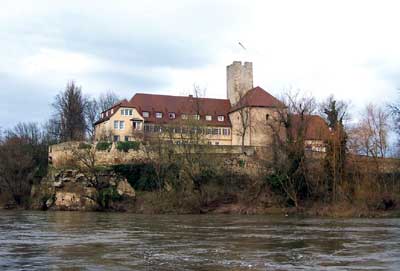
(112, 111)
(208, 118)
(107, 114)
(171, 115)
(102, 115)
(184, 116)
(221, 118)
(158, 115)
(196, 117)
(145, 114)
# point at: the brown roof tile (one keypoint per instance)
(316, 127)
(180, 105)
(257, 97)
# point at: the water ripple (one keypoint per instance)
(109, 241)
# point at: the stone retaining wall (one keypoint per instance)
(62, 155)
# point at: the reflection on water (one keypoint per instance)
(110, 241)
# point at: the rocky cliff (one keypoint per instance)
(73, 190)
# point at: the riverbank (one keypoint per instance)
(229, 188)
(148, 205)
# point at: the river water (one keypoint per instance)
(122, 241)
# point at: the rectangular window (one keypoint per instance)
(221, 118)
(171, 115)
(157, 129)
(208, 118)
(158, 115)
(126, 138)
(226, 131)
(145, 114)
(116, 138)
(122, 125)
(215, 131)
(216, 143)
(184, 116)
(147, 128)
(116, 124)
(209, 131)
(126, 112)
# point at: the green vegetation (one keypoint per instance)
(144, 177)
(106, 196)
(103, 146)
(84, 146)
(125, 146)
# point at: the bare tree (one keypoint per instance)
(289, 127)
(107, 100)
(52, 131)
(17, 169)
(92, 113)
(369, 136)
(244, 111)
(394, 109)
(35, 143)
(335, 113)
(29, 132)
(85, 157)
(69, 109)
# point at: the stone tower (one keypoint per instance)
(239, 80)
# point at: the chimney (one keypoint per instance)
(239, 80)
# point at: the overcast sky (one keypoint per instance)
(348, 48)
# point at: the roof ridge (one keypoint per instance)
(178, 96)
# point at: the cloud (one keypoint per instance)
(346, 48)
(23, 101)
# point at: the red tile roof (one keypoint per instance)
(316, 127)
(257, 97)
(189, 105)
(180, 105)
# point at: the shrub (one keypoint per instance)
(103, 146)
(141, 176)
(106, 196)
(125, 146)
(84, 146)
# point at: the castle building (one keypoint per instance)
(247, 117)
